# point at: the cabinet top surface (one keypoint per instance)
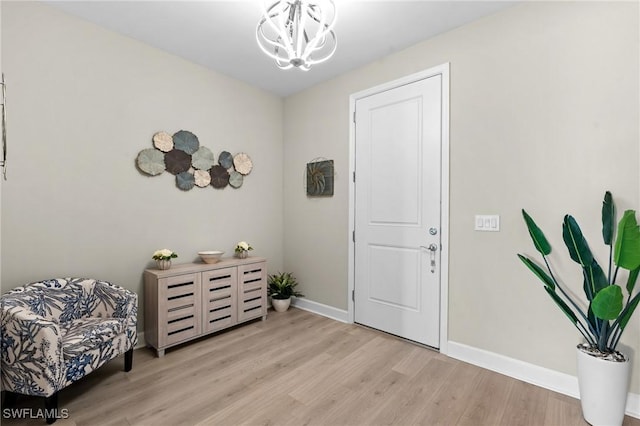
(184, 268)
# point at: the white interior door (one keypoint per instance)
(398, 136)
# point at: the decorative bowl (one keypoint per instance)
(210, 256)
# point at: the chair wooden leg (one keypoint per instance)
(128, 360)
(51, 408)
(10, 399)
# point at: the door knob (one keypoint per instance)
(432, 247)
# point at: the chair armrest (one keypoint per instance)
(117, 302)
(113, 301)
(23, 332)
(31, 353)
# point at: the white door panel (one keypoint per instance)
(397, 201)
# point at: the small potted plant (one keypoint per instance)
(163, 258)
(603, 372)
(242, 249)
(281, 287)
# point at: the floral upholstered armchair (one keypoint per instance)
(57, 331)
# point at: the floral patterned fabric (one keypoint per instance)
(55, 332)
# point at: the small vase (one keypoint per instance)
(242, 254)
(163, 264)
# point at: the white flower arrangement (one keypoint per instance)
(164, 254)
(243, 246)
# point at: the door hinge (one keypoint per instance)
(353, 295)
(354, 116)
(354, 176)
(353, 236)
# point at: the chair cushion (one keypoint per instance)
(84, 334)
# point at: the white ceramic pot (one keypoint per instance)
(604, 386)
(280, 305)
(163, 263)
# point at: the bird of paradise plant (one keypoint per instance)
(608, 310)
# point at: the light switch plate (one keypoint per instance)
(488, 223)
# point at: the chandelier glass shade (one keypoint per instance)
(298, 33)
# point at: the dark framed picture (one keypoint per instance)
(320, 178)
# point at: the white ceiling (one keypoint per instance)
(220, 35)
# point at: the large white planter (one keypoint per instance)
(604, 386)
(280, 305)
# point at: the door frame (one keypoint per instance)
(442, 70)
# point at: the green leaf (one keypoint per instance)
(631, 281)
(625, 316)
(577, 245)
(626, 252)
(608, 303)
(563, 306)
(539, 240)
(608, 218)
(538, 271)
(595, 279)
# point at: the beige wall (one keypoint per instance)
(544, 115)
(84, 102)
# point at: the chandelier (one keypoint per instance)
(298, 33)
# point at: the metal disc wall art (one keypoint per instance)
(186, 141)
(203, 178)
(151, 161)
(202, 159)
(219, 177)
(163, 141)
(192, 164)
(177, 161)
(235, 179)
(225, 160)
(242, 163)
(185, 181)
(320, 178)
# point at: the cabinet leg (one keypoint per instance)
(264, 317)
(160, 353)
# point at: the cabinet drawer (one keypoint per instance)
(252, 291)
(179, 308)
(219, 298)
(182, 325)
(220, 318)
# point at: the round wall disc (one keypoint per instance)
(151, 161)
(202, 159)
(186, 141)
(177, 161)
(225, 159)
(185, 181)
(219, 177)
(203, 178)
(163, 141)
(235, 179)
(243, 163)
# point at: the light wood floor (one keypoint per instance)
(298, 368)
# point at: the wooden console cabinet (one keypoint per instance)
(194, 299)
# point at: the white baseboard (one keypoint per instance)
(320, 309)
(549, 379)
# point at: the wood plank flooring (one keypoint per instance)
(297, 368)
